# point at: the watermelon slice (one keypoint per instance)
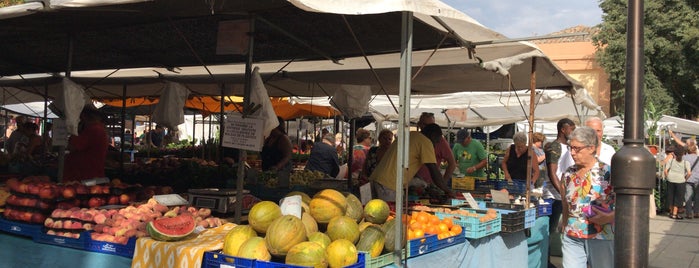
(171, 229)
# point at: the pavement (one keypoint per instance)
(672, 243)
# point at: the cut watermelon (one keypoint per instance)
(171, 229)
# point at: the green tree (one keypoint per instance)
(4, 3)
(671, 49)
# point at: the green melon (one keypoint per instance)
(284, 233)
(310, 223)
(372, 241)
(343, 227)
(171, 229)
(320, 238)
(307, 254)
(363, 225)
(262, 214)
(355, 210)
(341, 253)
(254, 248)
(304, 197)
(236, 237)
(327, 204)
(389, 228)
(376, 211)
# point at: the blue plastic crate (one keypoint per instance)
(430, 243)
(516, 187)
(20, 228)
(112, 248)
(459, 202)
(216, 259)
(76, 243)
(486, 185)
(472, 226)
(544, 209)
(514, 215)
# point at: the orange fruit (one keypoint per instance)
(434, 220)
(422, 217)
(416, 226)
(411, 234)
(449, 222)
(418, 233)
(431, 229)
(442, 227)
(456, 229)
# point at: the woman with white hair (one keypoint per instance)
(588, 207)
(514, 164)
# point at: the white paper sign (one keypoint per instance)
(291, 205)
(170, 200)
(500, 197)
(243, 133)
(470, 200)
(59, 133)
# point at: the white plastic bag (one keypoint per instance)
(69, 104)
(258, 95)
(169, 111)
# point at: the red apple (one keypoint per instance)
(81, 189)
(95, 189)
(124, 199)
(105, 189)
(34, 189)
(68, 192)
(13, 184)
(23, 187)
(113, 200)
(38, 218)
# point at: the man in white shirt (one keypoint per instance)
(604, 151)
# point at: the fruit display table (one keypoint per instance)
(17, 251)
(186, 253)
(501, 250)
(538, 243)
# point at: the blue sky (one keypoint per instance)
(523, 18)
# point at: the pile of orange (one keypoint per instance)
(421, 223)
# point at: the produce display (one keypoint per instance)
(342, 231)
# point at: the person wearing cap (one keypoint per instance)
(88, 150)
(323, 157)
(420, 152)
(470, 156)
(442, 151)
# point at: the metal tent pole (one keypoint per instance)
(404, 127)
(123, 123)
(242, 154)
(62, 149)
(530, 161)
(633, 172)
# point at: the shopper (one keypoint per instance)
(155, 136)
(539, 140)
(359, 151)
(691, 198)
(276, 151)
(588, 224)
(442, 152)
(420, 152)
(324, 158)
(677, 172)
(605, 152)
(557, 160)
(375, 154)
(515, 165)
(88, 150)
(470, 155)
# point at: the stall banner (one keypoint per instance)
(243, 133)
(187, 253)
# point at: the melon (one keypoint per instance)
(320, 238)
(236, 237)
(389, 228)
(363, 225)
(171, 229)
(262, 214)
(284, 233)
(341, 253)
(327, 204)
(310, 223)
(355, 210)
(372, 241)
(343, 227)
(307, 254)
(254, 248)
(376, 211)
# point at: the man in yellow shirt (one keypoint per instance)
(421, 152)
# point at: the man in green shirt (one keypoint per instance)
(470, 155)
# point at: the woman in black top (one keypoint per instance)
(276, 153)
(514, 163)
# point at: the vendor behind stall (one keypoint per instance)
(88, 150)
(324, 158)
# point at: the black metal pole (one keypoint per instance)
(123, 126)
(350, 152)
(633, 167)
(242, 154)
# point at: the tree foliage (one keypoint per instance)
(4, 3)
(671, 50)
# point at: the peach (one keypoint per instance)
(48, 222)
(100, 218)
(87, 226)
(68, 192)
(76, 225)
(58, 224)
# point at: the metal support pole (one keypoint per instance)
(123, 136)
(530, 161)
(242, 155)
(350, 152)
(62, 149)
(403, 128)
(633, 167)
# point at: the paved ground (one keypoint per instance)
(673, 243)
